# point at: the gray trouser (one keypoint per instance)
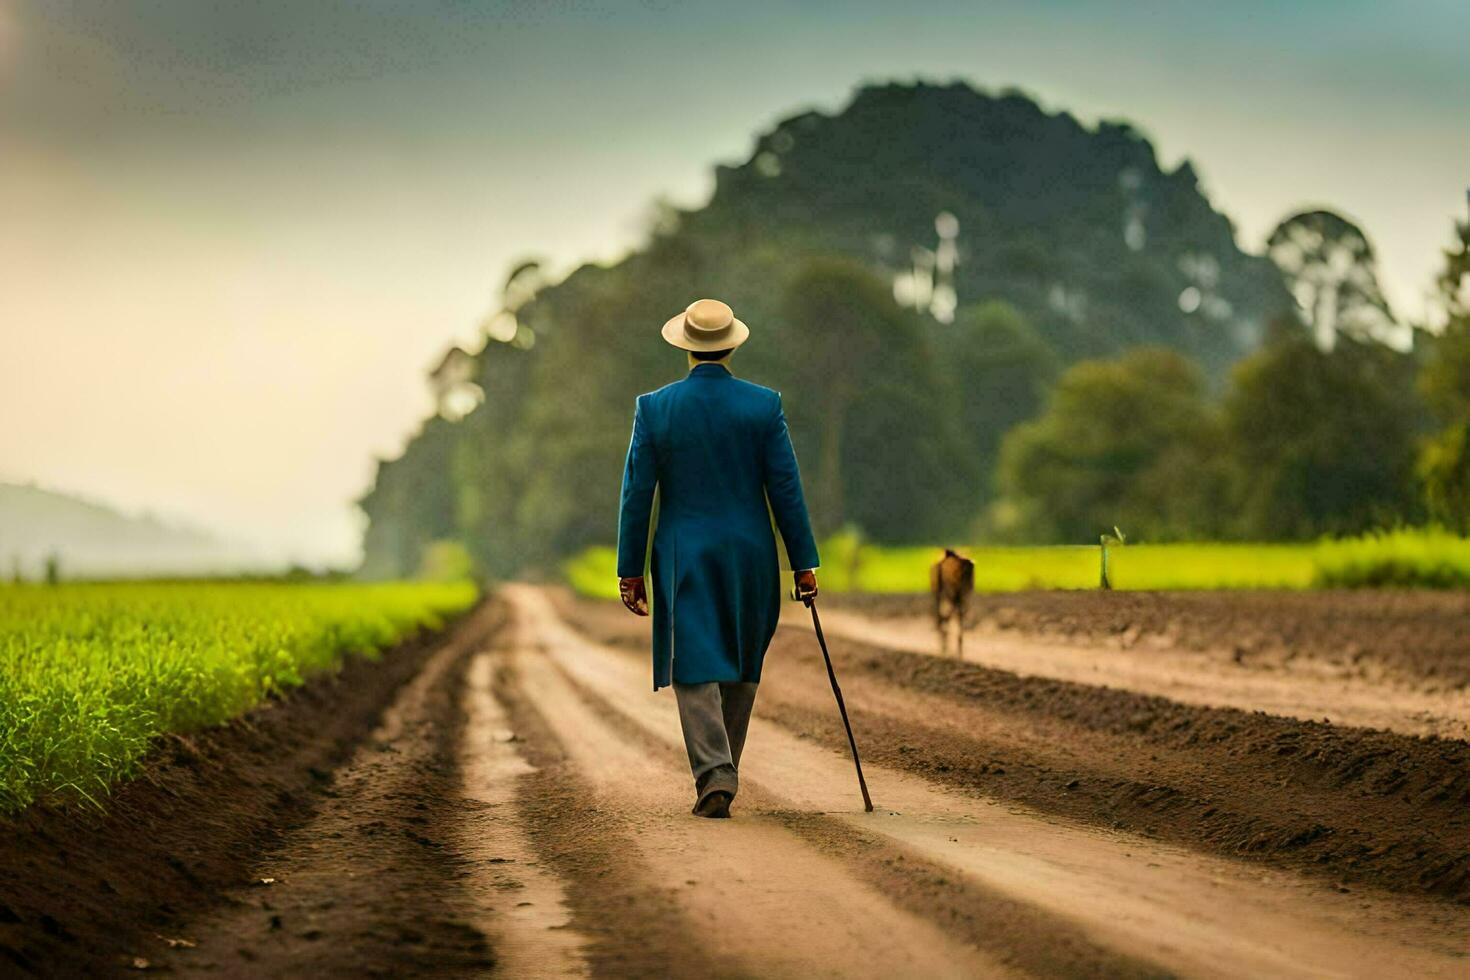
(715, 717)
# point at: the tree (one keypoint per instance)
(1444, 459)
(847, 315)
(1322, 442)
(907, 473)
(1331, 270)
(1444, 470)
(1127, 442)
(411, 503)
(524, 280)
(1079, 228)
(490, 466)
(1002, 369)
(889, 456)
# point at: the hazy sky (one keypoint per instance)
(233, 235)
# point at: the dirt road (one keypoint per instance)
(1116, 903)
(521, 809)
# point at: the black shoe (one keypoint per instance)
(715, 804)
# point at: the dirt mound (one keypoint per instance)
(1415, 635)
(85, 893)
(1352, 803)
(632, 916)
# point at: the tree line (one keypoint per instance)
(1327, 429)
(910, 430)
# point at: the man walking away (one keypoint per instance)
(718, 452)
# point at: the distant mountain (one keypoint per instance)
(964, 206)
(93, 540)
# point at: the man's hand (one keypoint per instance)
(806, 584)
(634, 594)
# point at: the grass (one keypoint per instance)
(1416, 557)
(1432, 558)
(90, 674)
(906, 569)
(1212, 565)
(593, 572)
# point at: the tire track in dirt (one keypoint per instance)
(371, 884)
(1341, 803)
(749, 894)
(525, 906)
(1016, 934)
(1192, 913)
(630, 919)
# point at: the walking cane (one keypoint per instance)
(811, 603)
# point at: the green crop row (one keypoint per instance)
(1426, 558)
(1422, 558)
(90, 674)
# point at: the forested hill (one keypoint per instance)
(1017, 241)
(1078, 228)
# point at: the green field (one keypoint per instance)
(91, 673)
(1400, 558)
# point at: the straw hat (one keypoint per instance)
(706, 324)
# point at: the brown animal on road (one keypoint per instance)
(951, 579)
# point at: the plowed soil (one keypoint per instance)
(511, 799)
(85, 893)
(1419, 637)
(1343, 803)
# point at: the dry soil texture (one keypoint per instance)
(512, 799)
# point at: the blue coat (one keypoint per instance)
(717, 450)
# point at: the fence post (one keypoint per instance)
(1117, 537)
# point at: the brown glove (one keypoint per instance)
(634, 594)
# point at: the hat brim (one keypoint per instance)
(675, 334)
